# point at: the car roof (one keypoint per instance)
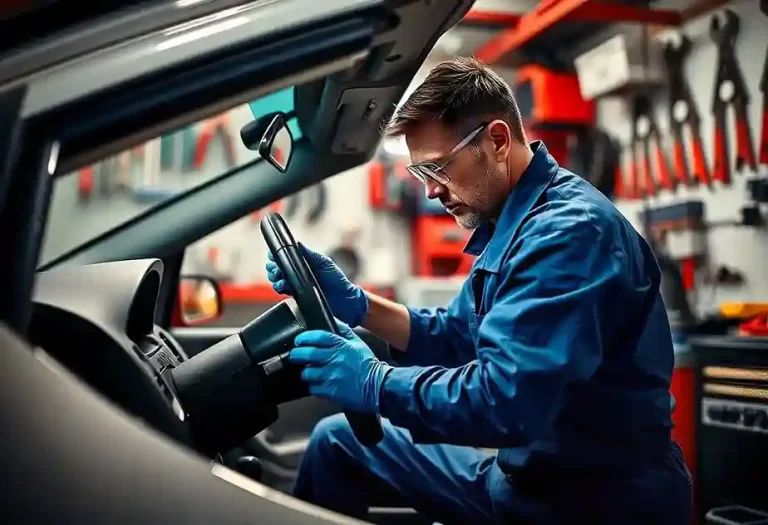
(121, 44)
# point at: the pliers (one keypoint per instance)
(683, 112)
(645, 135)
(730, 89)
(212, 128)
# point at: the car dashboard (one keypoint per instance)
(98, 321)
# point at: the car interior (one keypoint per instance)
(110, 415)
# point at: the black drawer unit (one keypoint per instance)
(732, 431)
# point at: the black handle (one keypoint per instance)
(313, 306)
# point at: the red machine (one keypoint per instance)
(552, 107)
(438, 247)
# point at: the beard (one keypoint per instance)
(480, 204)
(470, 220)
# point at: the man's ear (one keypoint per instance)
(501, 137)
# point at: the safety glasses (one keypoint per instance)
(435, 170)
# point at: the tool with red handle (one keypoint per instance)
(653, 158)
(730, 89)
(646, 173)
(634, 190)
(683, 112)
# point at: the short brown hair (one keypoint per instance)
(462, 94)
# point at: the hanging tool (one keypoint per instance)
(619, 189)
(217, 127)
(85, 182)
(631, 186)
(764, 89)
(646, 136)
(683, 112)
(730, 89)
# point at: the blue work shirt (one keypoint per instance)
(557, 350)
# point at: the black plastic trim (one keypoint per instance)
(23, 219)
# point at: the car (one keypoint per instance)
(106, 417)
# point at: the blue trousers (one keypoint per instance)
(454, 484)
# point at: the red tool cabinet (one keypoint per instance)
(438, 247)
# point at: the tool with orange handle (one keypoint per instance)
(684, 113)
(633, 188)
(730, 89)
(619, 188)
(653, 158)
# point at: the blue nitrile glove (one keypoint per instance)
(348, 301)
(341, 368)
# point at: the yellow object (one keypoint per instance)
(743, 310)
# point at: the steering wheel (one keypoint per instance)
(313, 305)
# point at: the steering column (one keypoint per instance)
(230, 392)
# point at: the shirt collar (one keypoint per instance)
(534, 180)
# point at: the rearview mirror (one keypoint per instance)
(271, 137)
(200, 300)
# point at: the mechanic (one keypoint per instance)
(557, 351)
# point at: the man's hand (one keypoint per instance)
(348, 301)
(341, 368)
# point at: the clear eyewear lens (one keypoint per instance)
(413, 170)
(434, 173)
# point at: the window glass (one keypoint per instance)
(101, 197)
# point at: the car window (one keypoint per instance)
(101, 197)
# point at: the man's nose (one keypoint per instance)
(433, 189)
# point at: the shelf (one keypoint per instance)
(561, 23)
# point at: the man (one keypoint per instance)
(557, 351)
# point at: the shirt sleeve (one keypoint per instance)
(440, 336)
(546, 328)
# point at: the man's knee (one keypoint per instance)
(329, 433)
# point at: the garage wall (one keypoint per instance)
(73, 221)
(745, 249)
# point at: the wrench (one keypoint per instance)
(683, 112)
(730, 89)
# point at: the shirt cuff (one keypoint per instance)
(398, 403)
(416, 338)
(397, 391)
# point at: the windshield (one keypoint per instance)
(99, 198)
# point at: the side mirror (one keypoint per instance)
(271, 137)
(200, 300)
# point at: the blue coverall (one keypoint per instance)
(557, 352)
